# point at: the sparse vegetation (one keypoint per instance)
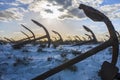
(63, 55)
(68, 60)
(39, 49)
(25, 50)
(113, 41)
(73, 68)
(75, 52)
(49, 59)
(22, 61)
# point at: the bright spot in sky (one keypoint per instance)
(46, 10)
(59, 15)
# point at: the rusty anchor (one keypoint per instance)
(33, 35)
(109, 71)
(92, 38)
(20, 43)
(46, 31)
(28, 37)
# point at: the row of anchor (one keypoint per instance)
(109, 70)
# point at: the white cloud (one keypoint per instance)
(1, 3)
(94, 3)
(25, 1)
(112, 11)
(1, 31)
(16, 33)
(12, 3)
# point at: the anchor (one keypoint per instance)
(109, 71)
(21, 44)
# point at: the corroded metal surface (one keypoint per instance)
(95, 15)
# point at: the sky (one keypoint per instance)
(62, 16)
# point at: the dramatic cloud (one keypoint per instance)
(64, 8)
(12, 10)
(46, 9)
(60, 9)
(12, 14)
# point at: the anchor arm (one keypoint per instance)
(28, 30)
(47, 33)
(61, 39)
(89, 30)
(26, 35)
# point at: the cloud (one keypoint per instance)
(1, 3)
(48, 11)
(25, 1)
(112, 11)
(10, 4)
(13, 10)
(64, 3)
(16, 33)
(60, 9)
(45, 9)
(12, 14)
(1, 31)
(65, 8)
(93, 3)
(65, 16)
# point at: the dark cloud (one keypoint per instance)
(61, 9)
(66, 16)
(77, 13)
(48, 11)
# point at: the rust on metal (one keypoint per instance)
(60, 37)
(47, 33)
(78, 38)
(21, 43)
(26, 35)
(93, 39)
(89, 30)
(89, 36)
(9, 40)
(29, 30)
(95, 15)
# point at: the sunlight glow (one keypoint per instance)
(75, 3)
(47, 10)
